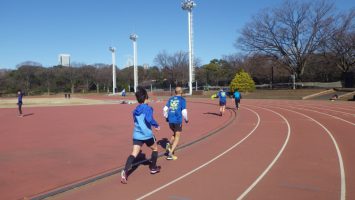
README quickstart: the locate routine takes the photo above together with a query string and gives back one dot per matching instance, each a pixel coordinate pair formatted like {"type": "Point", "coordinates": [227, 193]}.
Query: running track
{"type": "Point", "coordinates": [271, 149]}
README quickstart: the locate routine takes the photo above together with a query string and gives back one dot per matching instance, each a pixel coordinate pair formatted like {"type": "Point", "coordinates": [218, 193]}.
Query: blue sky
{"type": "Point", "coordinates": [39, 30]}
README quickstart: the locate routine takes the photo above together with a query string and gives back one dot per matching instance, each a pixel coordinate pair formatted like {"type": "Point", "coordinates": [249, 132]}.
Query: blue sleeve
{"type": "Point", "coordinates": [149, 117]}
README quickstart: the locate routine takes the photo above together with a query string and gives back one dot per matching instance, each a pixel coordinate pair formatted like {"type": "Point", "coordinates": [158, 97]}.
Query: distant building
{"type": "Point", "coordinates": [146, 66]}
{"type": "Point", "coordinates": [64, 60]}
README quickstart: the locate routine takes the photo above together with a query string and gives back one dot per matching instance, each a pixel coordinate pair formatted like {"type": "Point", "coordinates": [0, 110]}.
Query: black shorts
{"type": "Point", "coordinates": [222, 103]}
{"type": "Point", "coordinates": [175, 127]}
{"type": "Point", "coordinates": [148, 142]}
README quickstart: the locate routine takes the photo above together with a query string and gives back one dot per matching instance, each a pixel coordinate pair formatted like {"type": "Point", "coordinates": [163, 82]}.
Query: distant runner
{"type": "Point", "coordinates": [222, 101]}
{"type": "Point", "coordinates": [19, 102]}
{"type": "Point", "coordinates": [237, 98]}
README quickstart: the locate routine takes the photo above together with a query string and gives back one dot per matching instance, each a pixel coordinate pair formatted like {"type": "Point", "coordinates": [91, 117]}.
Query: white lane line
{"type": "Point", "coordinates": [339, 106]}
{"type": "Point", "coordinates": [322, 108]}
{"type": "Point", "coordinates": [275, 159]}
{"type": "Point", "coordinates": [323, 114]}
{"type": "Point", "coordinates": [340, 158]}
{"type": "Point", "coordinates": [207, 163]}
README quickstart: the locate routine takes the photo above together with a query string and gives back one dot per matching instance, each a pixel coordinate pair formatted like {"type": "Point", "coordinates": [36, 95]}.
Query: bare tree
{"type": "Point", "coordinates": [175, 66]}
{"type": "Point", "coordinates": [289, 33]}
{"type": "Point", "coordinates": [102, 76]}
{"type": "Point", "coordinates": [341, 44]}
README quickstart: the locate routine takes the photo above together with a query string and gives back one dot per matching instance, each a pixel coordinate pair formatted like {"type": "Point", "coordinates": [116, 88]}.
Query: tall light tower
{"type": "Point", "coordinates": [188, 5]}
{"type": "Point", "coordinates": [134, 37]}
{"type": "Point", "coordinates": [113, 50]}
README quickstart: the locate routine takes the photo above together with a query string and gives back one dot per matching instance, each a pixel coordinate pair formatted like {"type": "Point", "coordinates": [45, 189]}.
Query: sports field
{"type": "Point", "coordinates": [269, 149]}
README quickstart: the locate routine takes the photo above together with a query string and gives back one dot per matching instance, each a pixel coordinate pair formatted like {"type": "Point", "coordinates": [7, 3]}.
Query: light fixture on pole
{"type": "Point", "coordinates": [134, 37]}
{"type": "Point", "coordinates": [188, 5]}
{"type": "Point", "coordinates": [113, 50]}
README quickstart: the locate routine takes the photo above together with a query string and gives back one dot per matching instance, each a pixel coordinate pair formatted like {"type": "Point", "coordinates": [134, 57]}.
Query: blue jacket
{"type": "Point", "coordinates": [237, 95]}
{"type": "Point", "coordinates": [143, 122]}
{"type": "Point", "coordinates": [19, 98]}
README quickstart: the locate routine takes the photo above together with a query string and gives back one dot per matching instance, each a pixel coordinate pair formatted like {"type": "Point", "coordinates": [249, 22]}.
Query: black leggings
{"type": "Point", "coordinates": [237, 102]}
{"type": "Point", "coordinates": [20, 108]}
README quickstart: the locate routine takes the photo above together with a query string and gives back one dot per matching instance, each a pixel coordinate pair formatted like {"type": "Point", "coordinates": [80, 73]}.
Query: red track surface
{"type": "Point", "coordinates": [273, 149]}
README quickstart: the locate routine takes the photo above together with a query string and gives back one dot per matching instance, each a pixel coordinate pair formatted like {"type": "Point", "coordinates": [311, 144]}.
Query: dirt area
{"type": "Point", "coordinates": [93, 98]}
{"type": "Point", "coordinates": [53, 101]}
{"type": "Point", "coordinates": [281, 94]}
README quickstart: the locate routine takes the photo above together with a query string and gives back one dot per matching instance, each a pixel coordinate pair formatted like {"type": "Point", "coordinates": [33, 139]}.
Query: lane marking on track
{"type": "Point", "coordinates": [268, 168]}
{"type": "Point", "coordinates": [111, 172]}
{"type": "Point", "coordinates": [340, 106]}
{"type": "Point", "coordinates": [322, 108]}
{"type": "Point", "coordinates": [323, 114]}
{"type": "Point", "coordinates": [207, 163]}
{"type": "Point", "coordinates": [340, 158]}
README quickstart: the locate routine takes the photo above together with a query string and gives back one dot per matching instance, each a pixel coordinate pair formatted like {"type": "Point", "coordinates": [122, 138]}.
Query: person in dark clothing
{"type": "Point", "coordinates": [19, 102]}
{"type": "Point", "coordinates": [237, 97]}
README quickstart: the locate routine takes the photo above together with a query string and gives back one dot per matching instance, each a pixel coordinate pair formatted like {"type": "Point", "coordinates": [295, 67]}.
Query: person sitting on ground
{"type": "Point", "coordinates": [334, 97]}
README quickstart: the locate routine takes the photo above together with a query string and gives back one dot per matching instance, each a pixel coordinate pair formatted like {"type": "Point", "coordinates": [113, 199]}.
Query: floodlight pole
{"type": "Point", "coordinates": [113, 50]}
{"type": "Point", "coordinates": [188, 5]}
{"type": "Point", "coordinates": [134, 37]}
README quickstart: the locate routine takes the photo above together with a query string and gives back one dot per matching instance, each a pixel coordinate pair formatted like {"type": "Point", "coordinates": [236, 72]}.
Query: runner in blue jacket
{"type": "Point", "coordinates": [142, 134]}
{"type": "Point", "coordinates": [237, 97]}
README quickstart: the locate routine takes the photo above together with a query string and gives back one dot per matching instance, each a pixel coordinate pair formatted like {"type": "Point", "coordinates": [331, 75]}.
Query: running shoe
{"type": "Point", "coordinates": [123, 177]}
{"type": "Point", "coordinates": [155, 170]}
{"type": "Point", "coordinates": [171, 157]}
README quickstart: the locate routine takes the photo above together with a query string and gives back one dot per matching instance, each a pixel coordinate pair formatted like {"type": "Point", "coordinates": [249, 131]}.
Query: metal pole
{"type": "Point", "coordinates": [113, 72]}
{"type": "Point", "coordinates": [190, 51]}
{"type": "Point", "coordinates": [135, 65]}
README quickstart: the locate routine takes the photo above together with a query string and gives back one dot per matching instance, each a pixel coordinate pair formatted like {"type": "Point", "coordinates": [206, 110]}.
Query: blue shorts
{"type": "Point", "coordinates": [221, 103]}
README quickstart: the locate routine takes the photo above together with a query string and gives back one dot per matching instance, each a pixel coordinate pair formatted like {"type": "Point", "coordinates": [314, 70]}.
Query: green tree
{"type": "Point", "coordinates": [243, 82]}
